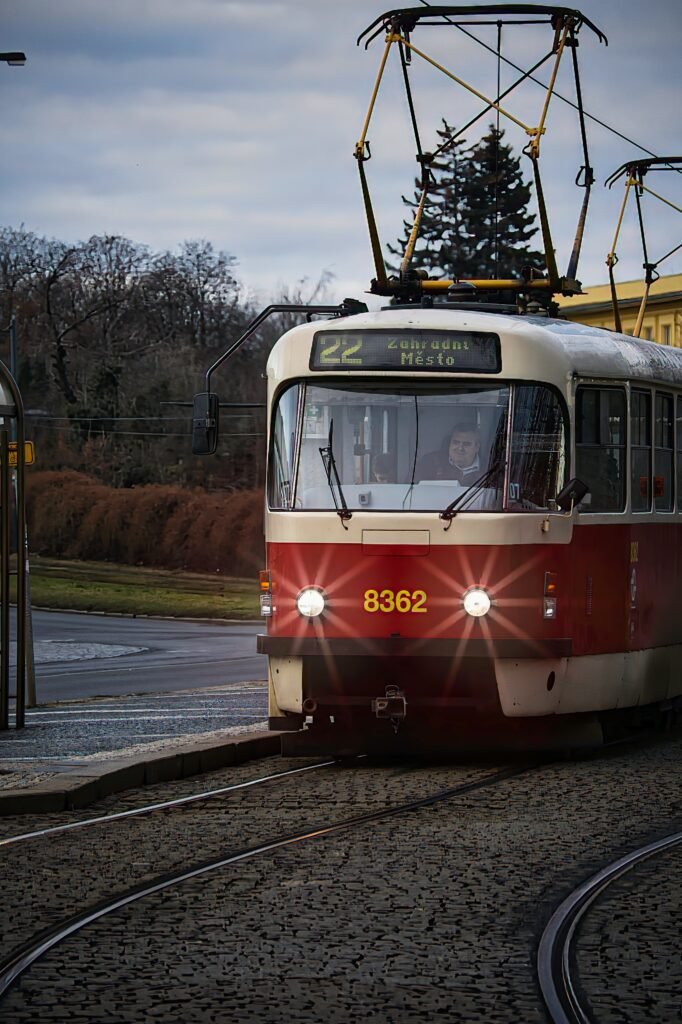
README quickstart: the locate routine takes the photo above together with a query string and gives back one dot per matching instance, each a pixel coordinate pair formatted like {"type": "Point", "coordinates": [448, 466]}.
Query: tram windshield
{"type": "Point", "coordinates": [416, 447]}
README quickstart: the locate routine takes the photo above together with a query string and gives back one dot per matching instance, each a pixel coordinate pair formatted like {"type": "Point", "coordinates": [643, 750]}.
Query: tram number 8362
{"type": "Point", "coordinates": [390, 601]}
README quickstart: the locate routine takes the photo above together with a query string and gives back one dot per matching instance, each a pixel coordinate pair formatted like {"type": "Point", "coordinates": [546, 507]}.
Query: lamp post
{"type": "Point", "coordinates": [16, 58]}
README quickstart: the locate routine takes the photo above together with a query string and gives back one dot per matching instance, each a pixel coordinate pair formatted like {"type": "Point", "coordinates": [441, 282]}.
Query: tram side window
{"type": "Point", "coordinates": [537, 456]}
{"type": "Point", "coordinates": [281, 468]}
{"type": "Point", "coordinates": [679, 453]}
{"type": "Point", "coordinates": [663, 453]}
{"type": "Point", "coordinates": [600, 446]}
{"type": "Point", "coordinates": [640, 427]}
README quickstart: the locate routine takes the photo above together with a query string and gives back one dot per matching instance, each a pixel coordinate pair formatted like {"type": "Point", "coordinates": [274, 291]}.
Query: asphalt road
{"type": "Point", "coordinates": [81, 656]}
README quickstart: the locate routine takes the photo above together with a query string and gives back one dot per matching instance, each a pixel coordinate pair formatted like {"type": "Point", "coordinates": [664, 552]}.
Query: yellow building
{"type": "Point", "coordinates": [662, 319]}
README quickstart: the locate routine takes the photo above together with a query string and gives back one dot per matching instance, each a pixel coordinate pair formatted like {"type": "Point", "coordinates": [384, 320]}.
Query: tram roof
{"type": "Point", "coordinates": [564, 344]}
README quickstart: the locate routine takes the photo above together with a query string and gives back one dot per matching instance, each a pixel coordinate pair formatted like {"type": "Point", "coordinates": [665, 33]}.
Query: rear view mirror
{"type": "Point", "coordinates": [572, 494]}
{"type": "Point", "coordinates": [205, 414]}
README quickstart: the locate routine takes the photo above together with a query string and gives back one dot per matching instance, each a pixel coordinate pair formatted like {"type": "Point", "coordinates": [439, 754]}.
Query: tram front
{"type": "Point", "coordinates": [411, 527]}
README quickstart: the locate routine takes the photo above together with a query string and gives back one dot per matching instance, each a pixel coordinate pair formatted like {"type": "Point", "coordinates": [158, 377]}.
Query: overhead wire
{"type": "Point", "coordinates": [497, 153]}
{"type": "Point", "coordinates": [543, 85]}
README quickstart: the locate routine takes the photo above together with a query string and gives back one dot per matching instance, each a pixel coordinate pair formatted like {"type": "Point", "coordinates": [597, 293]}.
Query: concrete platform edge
{"type": "Point", "coordinates": [89, 783]}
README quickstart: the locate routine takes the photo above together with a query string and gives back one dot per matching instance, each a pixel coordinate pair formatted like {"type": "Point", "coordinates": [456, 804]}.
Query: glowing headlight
{"type": "Point", "coordinates": [476, 602]}
{"type": "Point", "coordinates": [310, 602]}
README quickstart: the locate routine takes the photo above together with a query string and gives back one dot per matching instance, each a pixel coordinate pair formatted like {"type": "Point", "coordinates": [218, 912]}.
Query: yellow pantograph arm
{"type": "Point", "coordinates": [611, 258]}
{"type": "Point", "coordinates": [656, 196]}
{"type": "Point", "coordinates": [637, 332]}
{"type": "Point", "coordinates": [360, 144]}
{"type": "Point", "coordinates": [489, 284]}
{"type": "Point", "coordinates": [540, 130]}
{"type": "Point", "coordinates": [465, 85]}
{"type": "Point", "coordinates": [412, 240]}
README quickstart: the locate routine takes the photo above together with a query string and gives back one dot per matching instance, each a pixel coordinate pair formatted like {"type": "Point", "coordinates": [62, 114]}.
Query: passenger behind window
{"type": "Point", "coordinates": [598, 468]}
{"type": "Point", "coordinates": [384, 468]}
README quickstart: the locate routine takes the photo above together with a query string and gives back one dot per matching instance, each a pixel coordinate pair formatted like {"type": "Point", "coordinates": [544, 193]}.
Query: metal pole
{"type": "Point", "coordinates": [20, 506]}
{"type": "Point", "coordinates": [22, 553]}
{"type": "Point", "coordinates": [12, 331]}
{"type": "Point", "coordinates": [31, 698]}
{"type": "Point", "coordinates": [4, 581]}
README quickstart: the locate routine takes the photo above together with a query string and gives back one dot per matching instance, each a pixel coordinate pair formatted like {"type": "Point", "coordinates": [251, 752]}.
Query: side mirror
{"type": "Point", "coordinates": [572, 494]}
{"type": "Point", "coordinates": [205, 415]}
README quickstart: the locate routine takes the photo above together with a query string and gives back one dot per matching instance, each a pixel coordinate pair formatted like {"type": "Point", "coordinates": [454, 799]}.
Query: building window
{"type": "Point", "coordinates": [665, 334]}
{"type": "Point", "coordinates": [601, 447]}
{"type": "Point", "coordinates": [647, 334]}
{"type": "Point", "coordinates": [663, 453]}
{"type": "Point", "coordinates": [640, 433]}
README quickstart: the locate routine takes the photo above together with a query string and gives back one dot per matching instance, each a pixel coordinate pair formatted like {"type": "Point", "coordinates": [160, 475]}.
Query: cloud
{"type": "Point", "coordinates": [236, 122]}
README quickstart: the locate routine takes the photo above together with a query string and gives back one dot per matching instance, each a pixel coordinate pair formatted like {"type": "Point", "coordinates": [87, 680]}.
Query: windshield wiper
{"type": "Point", "coordinates": [472, 490]}
{"type": "Point", "coordinates": [329, 463]}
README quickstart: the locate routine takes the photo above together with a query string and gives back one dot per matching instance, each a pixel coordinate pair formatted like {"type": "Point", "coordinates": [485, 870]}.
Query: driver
{"type": "Point", "coordinates": [458, 461]}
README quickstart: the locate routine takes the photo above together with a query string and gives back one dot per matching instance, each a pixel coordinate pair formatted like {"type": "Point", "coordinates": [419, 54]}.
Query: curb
{"type": "Point", "coordinates": [85, 785]}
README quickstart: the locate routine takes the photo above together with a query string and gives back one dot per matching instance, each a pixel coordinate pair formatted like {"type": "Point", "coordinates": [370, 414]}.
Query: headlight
{"type": "Point", "coordinates": [476, 602]}
{"type": "Point", "coordinates": [310, 602]}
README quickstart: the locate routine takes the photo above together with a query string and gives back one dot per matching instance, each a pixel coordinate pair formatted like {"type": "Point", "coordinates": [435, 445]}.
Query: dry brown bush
{"type": "Point", "coordinates": [71, 515]}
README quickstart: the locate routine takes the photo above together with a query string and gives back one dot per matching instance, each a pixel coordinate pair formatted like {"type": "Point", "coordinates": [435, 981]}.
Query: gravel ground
{"type": "Point", "coordinates": [430, 916]}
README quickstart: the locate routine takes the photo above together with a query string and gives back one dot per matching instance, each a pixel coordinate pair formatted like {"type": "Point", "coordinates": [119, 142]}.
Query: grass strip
{"type": "Point", "coordinates": [127, 590]}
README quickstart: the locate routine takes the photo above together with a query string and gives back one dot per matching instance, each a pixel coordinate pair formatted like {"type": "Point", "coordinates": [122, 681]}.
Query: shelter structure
{"type": "Point", "coordinates": [12, 505]}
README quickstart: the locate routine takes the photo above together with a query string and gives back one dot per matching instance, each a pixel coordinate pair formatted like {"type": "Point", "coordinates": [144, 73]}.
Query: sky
{"type": "Point", "coordinates": [236, 122]}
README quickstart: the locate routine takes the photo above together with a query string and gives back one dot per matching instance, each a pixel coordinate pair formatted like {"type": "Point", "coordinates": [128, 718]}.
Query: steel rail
{"type": "Point", "coordinates": [554, 952]}
{"type": "Point", "coordinates": [13, 966]}
{"type": "Point", "coordinates": [149, 808]}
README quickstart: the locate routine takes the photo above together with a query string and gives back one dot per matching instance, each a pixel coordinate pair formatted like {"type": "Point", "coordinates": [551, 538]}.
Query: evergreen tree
{"type": "Point", "coordinates": [475, 222]}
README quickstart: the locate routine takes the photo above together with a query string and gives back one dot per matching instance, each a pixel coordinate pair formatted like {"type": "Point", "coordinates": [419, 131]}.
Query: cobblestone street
{"type": "Point", "coordinates": [431, 915]}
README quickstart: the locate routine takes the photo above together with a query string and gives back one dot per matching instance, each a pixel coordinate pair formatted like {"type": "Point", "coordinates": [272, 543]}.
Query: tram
{"type": "Point", "coordinates": [473, 510]}
{"type": "Point", "coordinates": [473, 530]}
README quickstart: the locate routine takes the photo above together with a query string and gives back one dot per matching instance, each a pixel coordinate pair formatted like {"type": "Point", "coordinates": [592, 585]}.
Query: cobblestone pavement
{"type": "Point", "coordinates": [631, 937]}
{"type": "Point", "coordinates": [431, 916]}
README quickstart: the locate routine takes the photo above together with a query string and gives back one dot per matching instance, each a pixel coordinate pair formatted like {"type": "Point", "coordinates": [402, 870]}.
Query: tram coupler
{"type": "Point", "coordinates": [393, 706]}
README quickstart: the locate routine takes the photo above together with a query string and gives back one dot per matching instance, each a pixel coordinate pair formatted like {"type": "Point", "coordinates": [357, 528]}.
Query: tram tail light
{"type": "Point", "coordinates": [550, 592]}
{"type": "Point", "coordinates": [265, 588]}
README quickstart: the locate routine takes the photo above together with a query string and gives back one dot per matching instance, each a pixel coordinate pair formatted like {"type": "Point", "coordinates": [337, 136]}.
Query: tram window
{"type": "Point", "coordinates": [281, 466]}
{"type": "Point", "coordinates": [391, 446]}
{"type": "Point", "coordinates": [600, 418]}
{"type": "Point", "coordinates": [537, 460]}
{"type": "Point", "coordinates": [679, 453]}
{"type": "Point", "coordinates": [663, 453]}
{"type": "Point", "coordinates": [640, 431]}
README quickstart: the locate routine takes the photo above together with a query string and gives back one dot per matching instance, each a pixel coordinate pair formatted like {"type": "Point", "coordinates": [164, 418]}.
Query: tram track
{"type": "Point", "coordinates": [234, 888]}
{"type": "Point", "coordinates": [555, 958]}
{"type": "Point", "coordinates": [22, 958]}
{"type": "Point", "coordinates": [164, 805]}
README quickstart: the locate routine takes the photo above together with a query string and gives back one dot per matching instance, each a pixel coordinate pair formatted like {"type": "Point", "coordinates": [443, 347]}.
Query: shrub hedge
{"type": "Point", "coordinates": [71, 515]}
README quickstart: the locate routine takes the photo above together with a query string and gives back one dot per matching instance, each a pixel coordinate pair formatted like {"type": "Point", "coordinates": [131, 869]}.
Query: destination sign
{"type": "Point", "coordinates": [410, 350]}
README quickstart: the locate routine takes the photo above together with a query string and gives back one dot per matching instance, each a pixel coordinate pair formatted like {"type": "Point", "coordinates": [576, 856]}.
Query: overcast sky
{"type": "Point", "coordinates": [165, 120]}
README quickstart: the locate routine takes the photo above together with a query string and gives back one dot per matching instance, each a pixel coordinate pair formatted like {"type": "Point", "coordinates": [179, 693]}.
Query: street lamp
{"type": "Point", "coordinates": [15, 59]}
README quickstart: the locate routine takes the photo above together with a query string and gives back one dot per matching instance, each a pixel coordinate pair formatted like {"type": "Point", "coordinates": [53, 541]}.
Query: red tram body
{"type": "Point", "coordinates": [413, 603]}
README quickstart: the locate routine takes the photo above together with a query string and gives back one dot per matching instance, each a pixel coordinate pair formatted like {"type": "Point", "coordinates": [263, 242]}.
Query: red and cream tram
{"type": "Point", "coordinates": [473, 530]}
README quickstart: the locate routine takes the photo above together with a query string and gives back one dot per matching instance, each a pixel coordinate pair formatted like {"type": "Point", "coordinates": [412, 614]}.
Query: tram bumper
{"type": "Point", "coordinates": [380, 677]}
